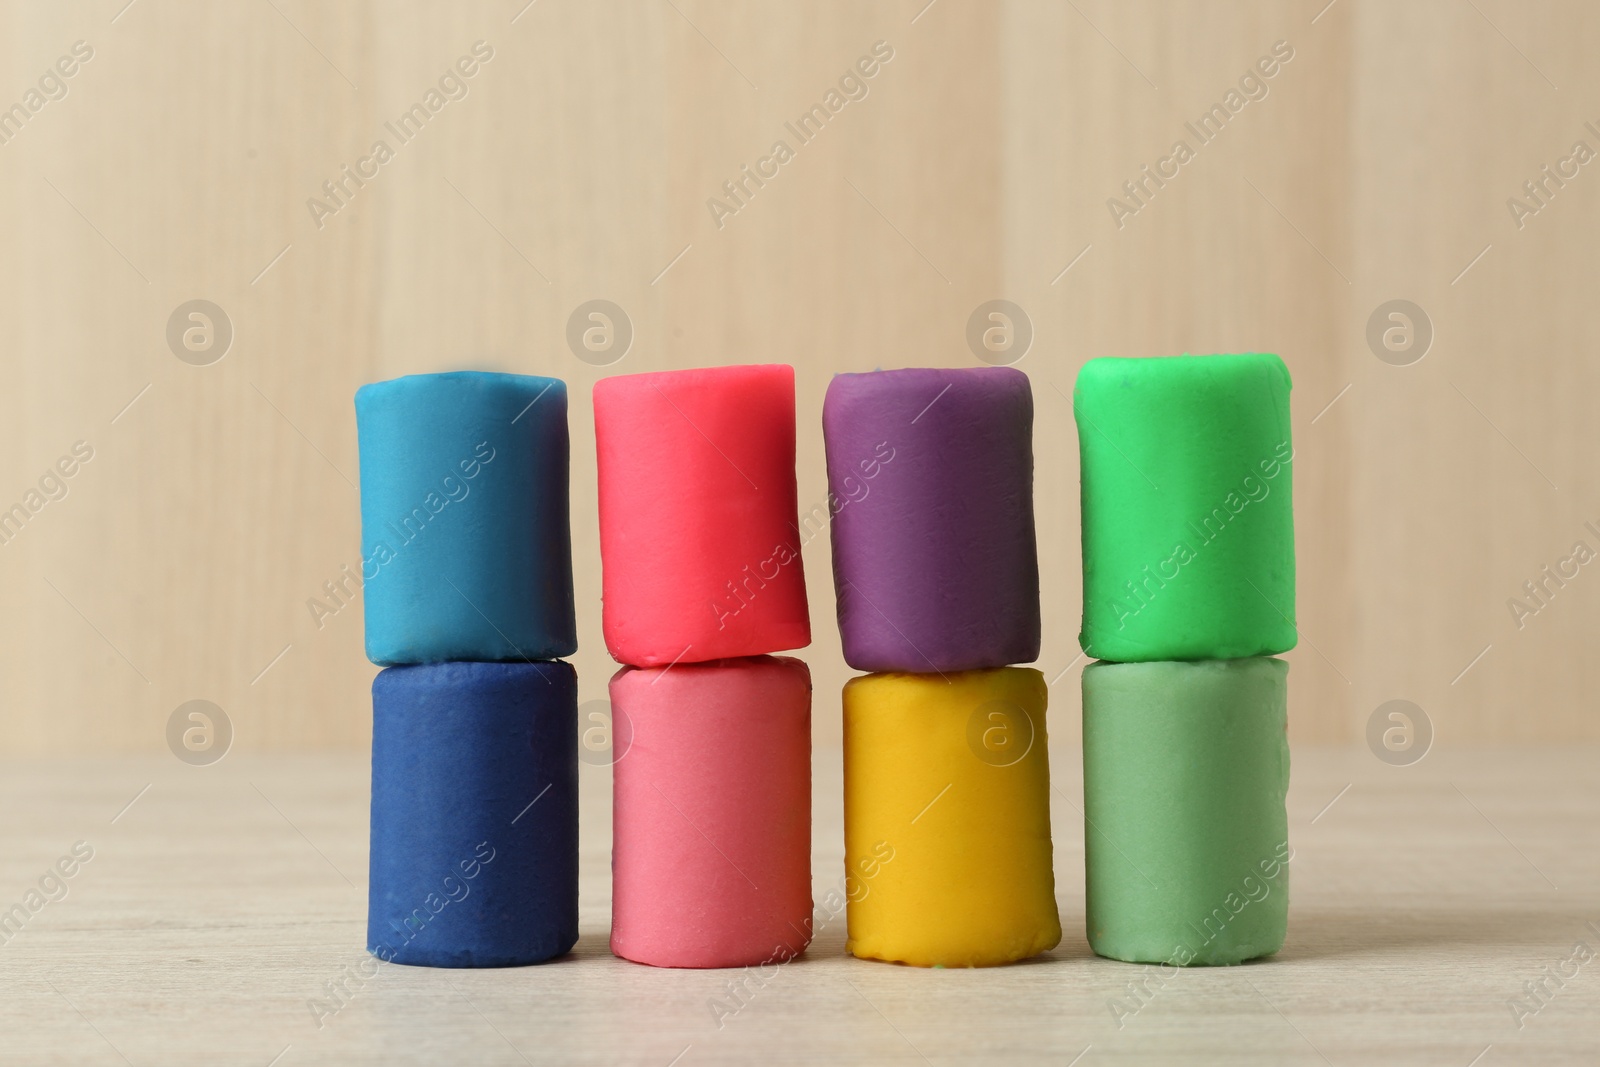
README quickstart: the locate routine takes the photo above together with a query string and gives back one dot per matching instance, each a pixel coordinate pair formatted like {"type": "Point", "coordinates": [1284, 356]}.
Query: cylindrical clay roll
{"type": "Point", "coordinates": [465, 541]}
{"type": "Point", "coordinates": [930, 479]}
{"type": "Point", "coordinates": [1185, 772]}
{"type": "Point", "coordinates": [1188, 521]}
{"type": "Point", "coordinates": [474, 814]}
{"type": "Point", "coordinates": [697, 515]}
{"type": "Point", "coordinates": [711, 861]}
{"type": "Point", "coordinates": [947, 818]}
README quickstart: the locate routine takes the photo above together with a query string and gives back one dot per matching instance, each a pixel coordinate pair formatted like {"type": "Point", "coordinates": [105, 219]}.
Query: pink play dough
{"type": "Point", "coordinates": [699, 539]}
{"type": "Point", "coordinates": [711, 822]}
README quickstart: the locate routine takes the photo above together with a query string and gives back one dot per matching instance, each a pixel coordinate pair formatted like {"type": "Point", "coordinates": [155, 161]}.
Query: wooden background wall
{"type": "Point", "coordinates": [179, 164]}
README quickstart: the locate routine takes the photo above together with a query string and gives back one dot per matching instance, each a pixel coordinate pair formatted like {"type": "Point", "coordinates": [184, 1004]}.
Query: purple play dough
{"type": "Point", "coordinates": [930, 473]}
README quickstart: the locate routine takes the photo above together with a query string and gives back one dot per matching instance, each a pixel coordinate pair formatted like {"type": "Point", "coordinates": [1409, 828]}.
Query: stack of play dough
{"type": "Point", "coordinates": [1188, 591]}
{"type": "Point", "coordinates": [700, 547]}
{"type": "Point", "coordinates": [467, 577]}
{"type": "Point", "coordinates": [947, 787]}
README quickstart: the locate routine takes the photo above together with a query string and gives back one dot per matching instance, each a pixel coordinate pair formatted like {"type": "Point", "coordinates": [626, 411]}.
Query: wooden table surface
{"type": "Point", "coordinates": [218, 905]}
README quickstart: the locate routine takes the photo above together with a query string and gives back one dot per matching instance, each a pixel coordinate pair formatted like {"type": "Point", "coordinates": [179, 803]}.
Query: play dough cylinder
{"type": "Point", "coordinates": [474, 859]}
{"type": "Point", "coordinates": [1185, 770]}
{"type": "Point", "coordinates": [1188, 523]}
{"type": "Point", "coordinates": [698, 533]}
{"type": "Point", "coordinates": [930, 486]}
{"type": "Point", "coordinates": [947, 818]}
{"type": "Point", "coordinates": [711, 814]}
{"type": "Point", "coordinates": [465, 542]}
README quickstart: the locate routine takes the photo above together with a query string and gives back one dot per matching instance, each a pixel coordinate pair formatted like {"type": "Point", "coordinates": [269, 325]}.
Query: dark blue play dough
{"type": "Point", "coordinates": [466, 546]}
{"type": "Point", "coordinates": [464, 873]}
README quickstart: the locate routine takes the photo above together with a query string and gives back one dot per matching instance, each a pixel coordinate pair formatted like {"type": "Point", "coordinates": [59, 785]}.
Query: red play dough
{"type": "Point", "coordinates": [711, 820]}
{"type": "Point", "coordinates": [698, 527]}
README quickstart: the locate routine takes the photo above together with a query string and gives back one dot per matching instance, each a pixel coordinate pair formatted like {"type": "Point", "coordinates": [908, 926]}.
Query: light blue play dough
{"type": "Point", "coordinates": [466, 546]}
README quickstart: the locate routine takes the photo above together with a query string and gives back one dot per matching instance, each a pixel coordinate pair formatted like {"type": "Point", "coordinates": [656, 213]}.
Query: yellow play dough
{"type": "Point", "coordinates": [947, 818]}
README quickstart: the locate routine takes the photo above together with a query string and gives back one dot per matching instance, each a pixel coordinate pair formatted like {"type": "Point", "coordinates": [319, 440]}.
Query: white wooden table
{"type": "Point", "coordinates": [221, 902]}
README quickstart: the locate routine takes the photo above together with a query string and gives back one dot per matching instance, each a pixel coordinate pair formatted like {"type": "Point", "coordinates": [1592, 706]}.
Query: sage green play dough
{"type": "Point", "coordinates": [1186, 839]}
{"type": "Point", "coordinates": [1188, 521]}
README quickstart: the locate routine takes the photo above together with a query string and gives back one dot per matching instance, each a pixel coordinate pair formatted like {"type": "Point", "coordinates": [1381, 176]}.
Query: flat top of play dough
{"type": "Point", "coordinates": [929, 372]}
{"type": "Point", "coordinates": [1177, 370]}
{"type": "Point", "coordinates": [528, 382]}
{"type": "Point", "coordinates": [694, 376]}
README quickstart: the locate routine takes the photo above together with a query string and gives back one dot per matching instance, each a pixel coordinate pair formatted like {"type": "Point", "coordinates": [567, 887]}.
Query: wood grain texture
{"type": "Point", "coordinates": [978, 166]}
{"type": "Point", "coordinates": [222, 902]}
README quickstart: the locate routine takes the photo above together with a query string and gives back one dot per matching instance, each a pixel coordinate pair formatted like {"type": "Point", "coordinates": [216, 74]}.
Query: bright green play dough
{"type": "Point", "coordinates": [1188, 521]}
{"type": "Point", "coordinates": [1185, 770]}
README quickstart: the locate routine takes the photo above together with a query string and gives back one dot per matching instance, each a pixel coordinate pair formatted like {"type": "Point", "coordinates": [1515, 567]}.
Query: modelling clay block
{"type": "Point", "coordinates": [1188, 519]}
{"type": "Point", "coordinates": [947, 818]}
{"type": "Point", "coordinates": [697, 515]}
{"type": "Point", "coordinates": [465, 543]}
{"type": "Point", "coordinates": [711, 860]}
{"type": "Point", "coordinates": [930, 478]}
{"type": "Point", "coordinates": [1186, 841]}
{"type": "Point", "coordinates": [474, 859]}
